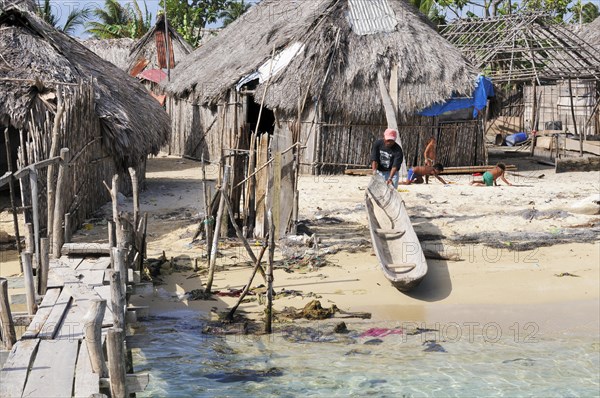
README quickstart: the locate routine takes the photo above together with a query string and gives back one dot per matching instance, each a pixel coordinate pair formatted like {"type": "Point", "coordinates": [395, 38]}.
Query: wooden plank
{"type": "Point", "coordinates": [14, 372]}
{"type": "Point", "coordinates": [82, 295]}
{"type": "Point", "coordinates": [101, 263]}
{"type": "Point", "coordinates": [588, 146]}
{"type": "Point", "coordinates": [86, 381]}
{"type": "Point", "coordinates": [5, 178]}
{"type": "Point", "coordinates": [91, 277]}
{"type": "Point", "coordinates": [57, 277]}
{"type": "Point", "coordinates": [53, 370]}
{"type": "Point", "coordinates": [92, 249]}
{"type": "Point", "coordinates": [104, 293]}
{"type": "Point", "coordinates": [262, 178]}
{"type": "Point", "coordinates": [135, 382]}
{"type": "Point", "coordinates": [38, 321]}
{"type": "Point", "coordinates": [54, 320]}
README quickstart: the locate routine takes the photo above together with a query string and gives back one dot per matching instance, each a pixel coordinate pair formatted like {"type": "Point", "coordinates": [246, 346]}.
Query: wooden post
{"type": "Point", "coordinates": [59, 205]}
{"type": "Point", "coordinates": [114, 190]}
{"type": "Point", "coordinates": [68, 231]}
{"type": "Point", "coordinates": [111, 233]}
{"type": "Point", "coordinates": [92, 326]}
{"type": "Point", "coordinates": [117, 299]}
{"type": "Point", "coordinates": [136, 195]}
{"type": "Point", "coordinates": [50, 171]}
{"type": "Point", "coordinates": [121, 266]}
{"type": "Point", "coordinates": [29, 239]}
{"type": "Point", "coordinates": [116, 362]}
{"type": "Point", "coordinates": [207, 212]}
{"type": "Point", "coordinates": [36, 216]}
{"type": "Point", "coordinates": [269, 311]}
{"type": "Point", "coordinates": [12, 195]}
{"type": "Point", "coordinates": [44, 265]}
{"type": "Point", "coordinates": [9, 337]}
{"type": "Point", "coordinates": [215, 243]}
{"type": "Point", "coordinates": [575, 120]}
{"type": "Point", "coordinates": [275, 192]}
{"type": "Point", "coordinates": [29, 283]}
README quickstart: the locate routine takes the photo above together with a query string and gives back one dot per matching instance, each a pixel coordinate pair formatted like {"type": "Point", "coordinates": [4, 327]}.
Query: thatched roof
{"type": "Point", "coordinates": [590, 33]}
{"type": "Point", "coordinates": [523, 47]}
{"type": "Point", "coordinates": [429, 68]}
{"type": "Point", "coordinates": [115, 51]}
{"type": "Point", "coordinates": [146, 47]}
{"type": "Point", "coordinates": [133, 122]}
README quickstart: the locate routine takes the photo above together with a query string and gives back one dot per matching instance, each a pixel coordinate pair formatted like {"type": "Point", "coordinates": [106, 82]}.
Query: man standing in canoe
{"type": "Point", "coordinates": [386, 157]}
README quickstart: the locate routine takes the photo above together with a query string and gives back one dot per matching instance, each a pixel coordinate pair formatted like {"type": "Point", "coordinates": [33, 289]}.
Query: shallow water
{"type": "Point", "coordinates": [380, 359]}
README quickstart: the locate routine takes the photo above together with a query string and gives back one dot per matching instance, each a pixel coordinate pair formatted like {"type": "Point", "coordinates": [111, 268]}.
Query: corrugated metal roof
{"type": "Point", "coordinates": [368, 17]}
{"type": "Point", "coordinates": [161, 50]}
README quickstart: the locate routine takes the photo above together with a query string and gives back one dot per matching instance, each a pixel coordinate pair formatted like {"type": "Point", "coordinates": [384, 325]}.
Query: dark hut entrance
{"type": "Point", "coordinates": [13, 135]}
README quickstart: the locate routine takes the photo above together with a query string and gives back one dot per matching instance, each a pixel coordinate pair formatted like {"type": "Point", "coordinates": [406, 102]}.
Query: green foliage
{"type": "Point", "coordinates": [76, 17]}
{"type": "Point", "coordinates": [190, 17]}
{"type": "Point", "coordinates": [586, 12]}
{"type": "Point", "coordinates": [116, 21]}
{"type": "Point", "coordinates": [234, 10]}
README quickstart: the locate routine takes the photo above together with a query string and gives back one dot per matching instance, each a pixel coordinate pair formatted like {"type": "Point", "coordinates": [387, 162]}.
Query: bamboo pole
{"type": "Point", "coordinates": [117, 299]}
{"type": "Point", "coordinates": [44, 265]}
{"type": "Point", "coordinates": [257, 266]}
{"type": "Point", "coordinates": [92, 326]}
{"type": "Point", "coordinates": [9, 337]}
{"type": "Point", "coordinates": [33, 176]}
{"type": "Point", "coordinates": [215, 243]}
{"type": "Point", "coordinates": [269, 311]}
{"type": "Point", "coordinates": [59, 205]}
{"type": "Point", "coordinates": [29, 283]}
{"type": "Point", "coordinates": [116, 362]}
{"type": "Point", "coordinates": [207, 212]}
{"type": "Point", "coordinates": [50, 172]}
{"type": "Point", "coordinates": [12, 195]}
{"type": "Point", "coordinates": [136, 195]}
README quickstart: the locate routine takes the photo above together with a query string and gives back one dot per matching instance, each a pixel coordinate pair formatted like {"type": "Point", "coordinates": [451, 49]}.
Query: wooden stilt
{"type": "Point", "coordinates": [9, 337]}
{"type": "Point", "coordinates": [121, 266]}
{"type": "Point", "coordinates": [116, 362]}
{"type": "Point", "coordinates": [29, 283]}
{"type": "Point", "coordinates": [111, 233]}
{"type": "Point", "coordinates": [59, 205]}
{"type": "Point", "coordinates": [44, 265]}
{"type": "Point", "coordinates": [208, 220]}
{"type": "Point", "coordinates": [50, 171]}
{"type": "Point", "coordinates": [117, 299]}
{"type": "Point", "coordinates": [136, 195]}
{"type": "Point", "coordinates": [92, 326]}
{"type": "Point", "coordinates": [114, 190]}
{"type": "Point", "coordinates": [29, 239]}
{"type": "Point", "coordinates": [269, 311]}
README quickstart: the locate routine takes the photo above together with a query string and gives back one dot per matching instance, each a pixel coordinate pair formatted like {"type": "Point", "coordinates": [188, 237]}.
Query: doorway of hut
{"type": "Point", "coordinates": [13, 141]}
{"type": "Point", "coordinates": [267, 117]}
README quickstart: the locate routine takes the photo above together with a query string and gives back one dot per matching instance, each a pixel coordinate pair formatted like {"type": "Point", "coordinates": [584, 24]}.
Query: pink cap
{"type": "Point", "coordinates": [390, 134]}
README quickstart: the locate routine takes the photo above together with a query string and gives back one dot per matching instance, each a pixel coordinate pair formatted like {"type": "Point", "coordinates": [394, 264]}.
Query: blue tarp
{"type": "Point", "coordinates": [478, 101]}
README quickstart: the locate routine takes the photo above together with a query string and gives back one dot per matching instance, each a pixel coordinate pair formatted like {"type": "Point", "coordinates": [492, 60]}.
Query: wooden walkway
{"type": "Point", "coordinates": [52, 358]}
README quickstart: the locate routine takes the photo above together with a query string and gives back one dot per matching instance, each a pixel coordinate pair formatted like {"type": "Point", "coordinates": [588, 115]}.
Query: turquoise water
{"type": "Point", "coordinates": [313, 362]}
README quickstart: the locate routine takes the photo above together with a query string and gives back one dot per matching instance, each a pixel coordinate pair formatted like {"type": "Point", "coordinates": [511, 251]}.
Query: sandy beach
{"type": "Point", "coordinates": [554, 285]}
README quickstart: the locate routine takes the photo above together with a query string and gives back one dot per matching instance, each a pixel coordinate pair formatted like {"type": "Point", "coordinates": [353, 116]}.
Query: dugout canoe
{"type": "Point", "coordinates": [394, 240]}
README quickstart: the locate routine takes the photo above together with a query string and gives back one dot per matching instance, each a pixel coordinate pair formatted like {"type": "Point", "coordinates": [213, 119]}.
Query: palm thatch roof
{"type": "Point", "coordinates": [152, 47]}
{"type": "Point", "coordinates": [344, 45]}
{"type": "Point", "coordinates": [115, 51]}
{"type": "Point", "coordinates": [35, 57]}
{"type": "Point", "coordinates": [590, 33]}
{"type": "Point", "coordinates": [523, 47]}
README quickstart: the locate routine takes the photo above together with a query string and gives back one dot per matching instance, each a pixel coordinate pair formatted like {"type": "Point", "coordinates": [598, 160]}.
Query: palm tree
{"type": "Point", "coordinates": [75, 18]}
{"type": "Point", "coordinates": [116, 21]}
{"type": "Point", "coordinates": [431, 9]}
{"type": "Point", "coordinates": [234, 10]}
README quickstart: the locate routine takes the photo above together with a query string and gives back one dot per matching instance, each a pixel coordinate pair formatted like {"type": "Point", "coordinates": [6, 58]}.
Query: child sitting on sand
{"type": "Point", "coordinates": [416, 174]}
{"type": "Point", "coordinates": [490, 177]}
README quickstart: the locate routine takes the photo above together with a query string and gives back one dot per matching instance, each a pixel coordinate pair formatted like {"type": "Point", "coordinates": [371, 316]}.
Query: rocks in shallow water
{"type": "Point", "coordinates": [520, 361]}
{"type": "Point", "coordinates": [433, 346]}
{"type": "Point", "coordinates": [340, 328]}
{"type": "Point", "coordinates": [373, 342]}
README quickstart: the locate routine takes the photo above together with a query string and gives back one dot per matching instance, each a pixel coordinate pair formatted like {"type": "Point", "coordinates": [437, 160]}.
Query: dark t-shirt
{"type": "Point", "coordinates": [386, 157]}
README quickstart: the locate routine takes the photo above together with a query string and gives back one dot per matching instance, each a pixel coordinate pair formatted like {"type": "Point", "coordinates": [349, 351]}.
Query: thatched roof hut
{"type": "Point", "coordinates": [108, 121]}
{"type": "Point", "coordinates": [150, 52]}
{"type": "Point", "coordinates": [115, 51]}
{"type": "Point", "coordinates": [343, 33]}
{"type": "Point", "coordinates": [590, 33]}
{"type": "Point", "coordinates": [133, 124]}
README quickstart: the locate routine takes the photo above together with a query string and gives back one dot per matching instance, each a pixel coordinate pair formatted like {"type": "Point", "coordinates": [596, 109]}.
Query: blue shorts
{"type": "Point", "coordinates": [412, 175]}
{"type": "Point", "coordinates": [386, 175]}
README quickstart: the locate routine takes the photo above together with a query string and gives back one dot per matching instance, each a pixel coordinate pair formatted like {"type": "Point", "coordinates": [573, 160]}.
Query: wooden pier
{"type": "Point", "coordinates": [55, 356]}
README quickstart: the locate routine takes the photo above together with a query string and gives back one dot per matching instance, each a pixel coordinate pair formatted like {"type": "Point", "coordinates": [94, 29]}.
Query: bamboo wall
{"type": "Point", "coordinates": [554, 104]}
{"type": "Point", "coordinates": [80, 131]}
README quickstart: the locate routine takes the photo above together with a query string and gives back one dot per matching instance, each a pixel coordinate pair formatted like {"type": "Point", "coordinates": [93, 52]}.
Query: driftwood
{"type": "Point", "coordinates": [578, 164]}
